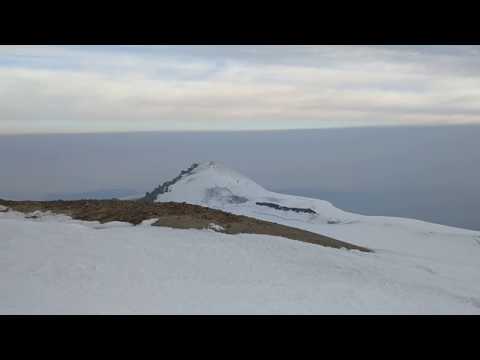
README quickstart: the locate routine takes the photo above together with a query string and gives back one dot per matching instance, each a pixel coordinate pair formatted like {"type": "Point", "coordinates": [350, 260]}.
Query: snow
{"type": "Point", "coordinates": [55, 265]}
{"type": "Point", "coordinates": [216, 227]}
{"type": "Point", "coordinates": [387, 233]}
{"type": "Point", "coordinates": [211, 182]}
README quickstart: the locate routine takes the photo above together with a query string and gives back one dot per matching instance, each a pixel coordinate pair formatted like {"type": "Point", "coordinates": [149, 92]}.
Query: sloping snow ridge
{"type": "Point", "coordinates": [213, 185]}
{"type": "Point", "coordinates": [51, 264]}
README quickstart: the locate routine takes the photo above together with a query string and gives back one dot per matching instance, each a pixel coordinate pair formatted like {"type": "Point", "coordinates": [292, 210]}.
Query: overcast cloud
{"type": "Point", "coordinates": [125, 88]}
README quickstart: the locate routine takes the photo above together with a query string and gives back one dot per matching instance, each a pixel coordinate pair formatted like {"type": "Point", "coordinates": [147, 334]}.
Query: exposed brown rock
{"type": "Point", "coordinates": [175, 215]}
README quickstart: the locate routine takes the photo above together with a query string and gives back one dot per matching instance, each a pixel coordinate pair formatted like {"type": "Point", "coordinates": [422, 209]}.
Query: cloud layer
{"type": "Point", "coordinates": [97, 88]}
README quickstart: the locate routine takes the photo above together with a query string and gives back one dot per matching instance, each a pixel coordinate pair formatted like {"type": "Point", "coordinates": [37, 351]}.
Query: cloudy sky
{"type": "Point", "coordinates": [48, 89]}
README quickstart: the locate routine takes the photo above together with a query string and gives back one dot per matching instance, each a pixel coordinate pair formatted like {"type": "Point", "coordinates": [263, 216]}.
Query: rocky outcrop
{"type": "Point", "coordinates": [165, 187]}
{"type": "Point", "coordinates": [175, 215]}
{"type": "Point", "coordinates": [285, 208]}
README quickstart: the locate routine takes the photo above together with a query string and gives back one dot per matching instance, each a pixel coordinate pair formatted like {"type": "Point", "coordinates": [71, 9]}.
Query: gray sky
{"type": "Point", "coordinates": [125, 88]}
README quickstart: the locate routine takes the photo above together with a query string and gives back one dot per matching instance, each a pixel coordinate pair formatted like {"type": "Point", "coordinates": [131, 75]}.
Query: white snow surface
{"type": "Point", "coordinates": [55, 265]}
{"type": "Point", "coordinates": [214, 185]}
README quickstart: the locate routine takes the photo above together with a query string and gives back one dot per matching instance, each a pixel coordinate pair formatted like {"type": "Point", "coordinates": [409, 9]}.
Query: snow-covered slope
{"type": "Point", "coordinates": [214, 185]}
{"type": "Point", "coordinates": [55, 265]}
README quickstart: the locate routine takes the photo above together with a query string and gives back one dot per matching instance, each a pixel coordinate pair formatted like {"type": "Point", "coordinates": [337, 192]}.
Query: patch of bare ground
{"type": "Point", "coordinates": [175, 215]}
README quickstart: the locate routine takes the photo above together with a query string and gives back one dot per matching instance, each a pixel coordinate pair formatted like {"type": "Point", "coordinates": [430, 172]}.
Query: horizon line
{"type": "Point", "coordinates": [423, 125]}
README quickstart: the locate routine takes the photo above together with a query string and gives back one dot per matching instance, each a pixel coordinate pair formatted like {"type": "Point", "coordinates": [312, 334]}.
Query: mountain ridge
{"type": "Point", "coordinates": [212, 184]}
